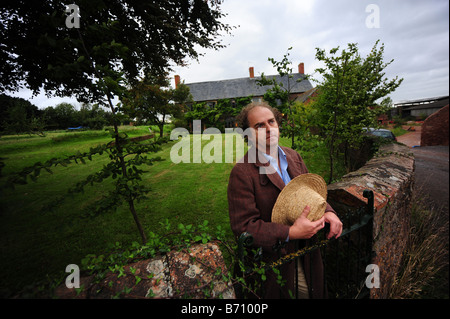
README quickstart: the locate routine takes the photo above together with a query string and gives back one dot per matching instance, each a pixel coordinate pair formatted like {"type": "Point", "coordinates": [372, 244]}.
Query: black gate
{"type": "Point", "coordinates": [345, 259]}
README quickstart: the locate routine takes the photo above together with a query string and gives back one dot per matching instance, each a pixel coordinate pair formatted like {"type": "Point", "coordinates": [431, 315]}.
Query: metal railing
{"type": "Point", "coordinates": [345, 259]}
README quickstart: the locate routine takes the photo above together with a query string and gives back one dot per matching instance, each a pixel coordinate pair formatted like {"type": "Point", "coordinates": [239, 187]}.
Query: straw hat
{"type": "Point", "coordinates": [305, 189]}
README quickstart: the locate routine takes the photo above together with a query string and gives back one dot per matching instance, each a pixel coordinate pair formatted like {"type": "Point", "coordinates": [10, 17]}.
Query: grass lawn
{"type": "Point", "coordinates": [38, 244]}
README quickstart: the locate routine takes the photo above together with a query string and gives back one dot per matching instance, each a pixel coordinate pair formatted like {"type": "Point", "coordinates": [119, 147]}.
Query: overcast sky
{"type": "Point", "coordinates": [415, 34]}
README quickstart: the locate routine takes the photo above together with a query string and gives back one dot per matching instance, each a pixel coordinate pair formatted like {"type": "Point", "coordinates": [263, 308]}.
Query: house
{"type": "Point", "coordinates": [308, 96]}
{"type": "Point", "coordinates": [212, 91]}
{"type": "Point", "coordinates": [421, 108]}
{"type": "Point", "coordinates": [435, 128]}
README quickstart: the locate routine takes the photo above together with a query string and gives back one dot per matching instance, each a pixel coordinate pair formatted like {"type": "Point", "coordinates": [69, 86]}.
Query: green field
{"type": "Point", "coordinates": [37, 244]}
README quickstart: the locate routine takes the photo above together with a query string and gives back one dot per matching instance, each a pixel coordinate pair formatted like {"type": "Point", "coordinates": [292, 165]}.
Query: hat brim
{"type": "Point", "coordinates": [306, 189]}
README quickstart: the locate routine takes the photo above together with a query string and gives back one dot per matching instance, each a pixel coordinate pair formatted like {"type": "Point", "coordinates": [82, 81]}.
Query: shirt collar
{"type": "Point", "coordinates": [282, 152]}
{"type": "Point", "coordinates": [281, 157]}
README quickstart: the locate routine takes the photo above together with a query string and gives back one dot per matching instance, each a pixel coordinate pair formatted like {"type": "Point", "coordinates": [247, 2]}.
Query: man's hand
{"type": "Point", "coordinates": [335, 225]}
{"type": "Point", "coordinates": [303, 228]}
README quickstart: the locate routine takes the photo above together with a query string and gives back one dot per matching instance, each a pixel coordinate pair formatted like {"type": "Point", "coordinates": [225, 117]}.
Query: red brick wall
{"type": "Point", "coordinates": [435, 128]}
{"type": "Point", "coordinates": [390, 175]}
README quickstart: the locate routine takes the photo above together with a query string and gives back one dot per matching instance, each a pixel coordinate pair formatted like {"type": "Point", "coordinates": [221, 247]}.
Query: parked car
{"type": "Point", "coordinates": [381, 133]}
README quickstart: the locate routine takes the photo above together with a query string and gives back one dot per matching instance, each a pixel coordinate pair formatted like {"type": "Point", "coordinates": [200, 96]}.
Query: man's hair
{"type": "Point", "coordinates": [242, 118]}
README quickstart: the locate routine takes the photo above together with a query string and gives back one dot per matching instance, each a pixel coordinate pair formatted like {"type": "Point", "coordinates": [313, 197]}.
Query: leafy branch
{"type": "Point", "coordinates": [349, 92]}
{"type": "Point", "coordinates": [126, 157]}
{"type": "Point", "coordinates": [33, 172]}
{"type": "Point", "coordinates": [176, 238]}
{"type": "Point", "coordinates": [279, 95]}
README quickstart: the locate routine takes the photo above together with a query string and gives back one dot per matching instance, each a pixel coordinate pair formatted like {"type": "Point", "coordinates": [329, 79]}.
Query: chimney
{"type": "Point", "coordinates": [301, 68]}
{"type": "Point", "coordinates": [177, 81]}
{"type": "Point", "coordinates": [252, 72]}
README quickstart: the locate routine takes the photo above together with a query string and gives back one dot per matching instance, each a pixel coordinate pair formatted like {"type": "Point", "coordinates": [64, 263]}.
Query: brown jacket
{"type": "Point", "coordinates": [251, 197]}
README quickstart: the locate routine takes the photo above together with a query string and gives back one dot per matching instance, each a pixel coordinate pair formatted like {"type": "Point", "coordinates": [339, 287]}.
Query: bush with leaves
{"type": "Point", "coordinates": [348, 95]}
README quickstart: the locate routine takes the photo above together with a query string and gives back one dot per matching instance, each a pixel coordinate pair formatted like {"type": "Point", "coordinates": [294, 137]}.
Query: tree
{"type": "Point", "coordinates": [116, 44]}
{"type": "Point", "coordinates": [66, 115]}
{"type": "Point", "coordinates": [348, 95]}
{"type": "Point", "coordinates": [279, 95]}
{"type": "Point", "coordinates": [217, 115]}
{"type": "Point", "coordinates": [18, 115]}
{"type": "Point", "coordinates": [305, 134]}
{"type": "Point", "coordinates": [153, 101]}
{"type": "Point", "coordinates": [38, 50]}
{"type": "Point", "coordinates": [93, 116]}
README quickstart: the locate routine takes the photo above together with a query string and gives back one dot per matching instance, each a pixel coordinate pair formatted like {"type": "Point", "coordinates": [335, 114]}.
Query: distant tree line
{"type": "Point", "coordinates": [18, 115]}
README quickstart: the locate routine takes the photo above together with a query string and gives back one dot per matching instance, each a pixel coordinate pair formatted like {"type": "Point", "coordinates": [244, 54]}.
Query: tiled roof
{"type": "Point", "coordinates": [243, 87]}
{"type": "Point", "coordinates": [433, 102]}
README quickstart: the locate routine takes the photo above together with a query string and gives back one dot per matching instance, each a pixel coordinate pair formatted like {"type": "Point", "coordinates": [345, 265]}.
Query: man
{"type": "Point", "coordinates": [252, 192]}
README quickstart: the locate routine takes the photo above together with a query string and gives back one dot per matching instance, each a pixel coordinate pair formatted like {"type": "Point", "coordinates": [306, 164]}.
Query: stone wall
{"type": "Point", "coordinates": [194, 272]}
{"type": "Point", "coordinates": [390, 175]}
{"type": "Point", "coordinates": [435, 128]}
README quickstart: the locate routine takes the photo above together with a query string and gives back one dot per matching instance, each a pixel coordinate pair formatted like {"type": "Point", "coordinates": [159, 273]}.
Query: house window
{"type": "Point", "coordinates": [257, 99]}
{"type": "Point", "coordinates": [211, 104]}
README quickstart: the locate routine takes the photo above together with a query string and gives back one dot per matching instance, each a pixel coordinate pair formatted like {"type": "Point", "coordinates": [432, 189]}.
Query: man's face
{"type": "Point", "coordinates": [264, 127]}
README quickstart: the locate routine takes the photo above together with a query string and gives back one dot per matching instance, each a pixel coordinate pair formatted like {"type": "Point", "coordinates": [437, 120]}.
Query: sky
{"type": "Point", "coordinates": [415, 34]}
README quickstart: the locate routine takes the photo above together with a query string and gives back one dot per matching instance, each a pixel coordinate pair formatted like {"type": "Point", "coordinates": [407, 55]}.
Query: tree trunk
{"type": "Point", "coordinates": [125, 174]}
{"type": "Point", "coordinates": [119, 149]}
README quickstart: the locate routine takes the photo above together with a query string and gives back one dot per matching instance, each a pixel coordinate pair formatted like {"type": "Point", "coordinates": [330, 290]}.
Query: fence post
{"type": "Point", "coordinates": [245, 240]}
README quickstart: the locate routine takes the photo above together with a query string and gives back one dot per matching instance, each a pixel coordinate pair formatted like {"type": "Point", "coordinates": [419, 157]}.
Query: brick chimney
{"type": "Point", "coordinates": [252, 72]}
{"type": "Point", "coordinates": [301, 68]}
{"type": "Point", "coordinates": [177, 81]}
